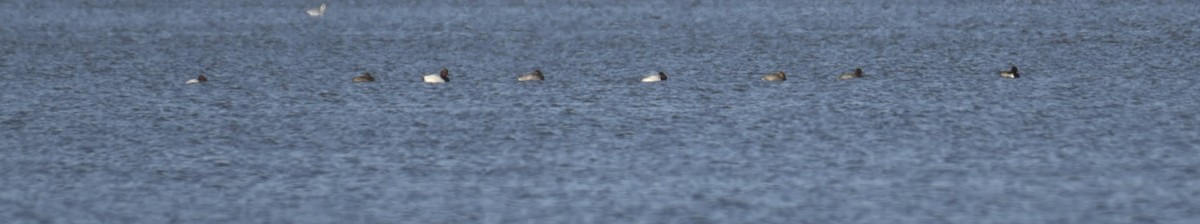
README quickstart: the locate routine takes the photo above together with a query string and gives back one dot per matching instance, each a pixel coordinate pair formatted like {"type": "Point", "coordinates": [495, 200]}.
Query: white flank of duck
{"type": "Point", "coordinates": [440, 77]}
{"type": "Point", "coordinates": [198, 80]}
{"type": "Point", "coordinates": [655, 77]}
{"type": "Point", "coordinates": [1011, 73]}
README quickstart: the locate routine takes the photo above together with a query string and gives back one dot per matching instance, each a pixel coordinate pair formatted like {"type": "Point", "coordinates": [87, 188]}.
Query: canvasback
{"type": "Point", "coordinates": [655, 77]}
{"type": "Point", "coordinates": [198, 80]}
{"type": "Point", "coordinates": [440, 77]}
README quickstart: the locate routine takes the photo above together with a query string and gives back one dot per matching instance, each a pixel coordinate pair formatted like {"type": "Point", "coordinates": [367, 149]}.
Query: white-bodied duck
{"type": "Point", "coordinates": [440, 77]}
{"type": "Point", "coordinates": [655, 77]}
{"type": "Point", "coordinates": [198, 80]}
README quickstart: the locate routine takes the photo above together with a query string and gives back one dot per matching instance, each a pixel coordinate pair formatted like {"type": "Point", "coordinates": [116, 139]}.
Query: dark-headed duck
{"type": "Point", "coordinates": [440, 77]}
{"type": "Point", "coordinates": [1011, 73]}
{"type": "Point", "coordinates": [655, 77]}
{"type": "Point", "coordinates": [198, 80]}
{"type": "Point", "coordinates": [858, 73]}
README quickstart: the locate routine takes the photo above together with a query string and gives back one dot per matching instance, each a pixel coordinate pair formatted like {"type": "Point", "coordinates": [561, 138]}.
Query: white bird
{"type": "Point", "coordinates": [318, 11]}
{"type": "Point", "coordinates": [440, 77]}
{"type": "Point", "coordinates": [198, 80]}
{"type": "Point", "coordinates": [660, 76]}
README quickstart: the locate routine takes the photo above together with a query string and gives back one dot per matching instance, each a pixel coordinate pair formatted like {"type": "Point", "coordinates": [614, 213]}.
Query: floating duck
{"type": "Point", "coordinates": [198, 80]}
{"type": "Point", "coordinates": [1011, 73]}
{"type": "Point", "coordinates": [365, 77]}
{"type": "Point", "coordinates": [655, 77]}
{"type": "Point", "coordinates": [851, 75]}
{"type": "Point", "coordinates": [536, 75]}
{"type": "Point", "coordinates": [440, 77]}
{"type": "Point", "coordinates": [775, 76]}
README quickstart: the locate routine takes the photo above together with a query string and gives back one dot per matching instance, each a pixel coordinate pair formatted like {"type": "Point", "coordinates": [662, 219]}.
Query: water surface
{"type": "Point", "coordinates": [96, 124]}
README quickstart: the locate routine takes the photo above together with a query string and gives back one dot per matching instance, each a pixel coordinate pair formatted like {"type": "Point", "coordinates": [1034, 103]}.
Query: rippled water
{"type": "Point", "coordinates": [96, 124]}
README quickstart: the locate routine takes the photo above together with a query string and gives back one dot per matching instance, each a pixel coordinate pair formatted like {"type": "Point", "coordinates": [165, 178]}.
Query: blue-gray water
{"type": "Point", "coordinates": [97, 126]}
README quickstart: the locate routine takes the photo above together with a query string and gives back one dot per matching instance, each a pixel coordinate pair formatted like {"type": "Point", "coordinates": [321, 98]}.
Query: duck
{"type": "Point", "coordinates": [318, 11]}
{"type": "Point", "coordinates": [440, 77]}
{"type": "Point", "coordinates": [775, 76]}
{"type": "Point", "coordinates": [198, 80]}
{"type": "Point", "coordinates": [536, 75]}
{"type": "Point", "coordinates": [1011, 73]}
{"type": "Point", "coordinates": [858, 73]}
{"type": "Point", "coordinates": [365, 77]}
{"type": "Point", "coordinates": [655, 77]}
